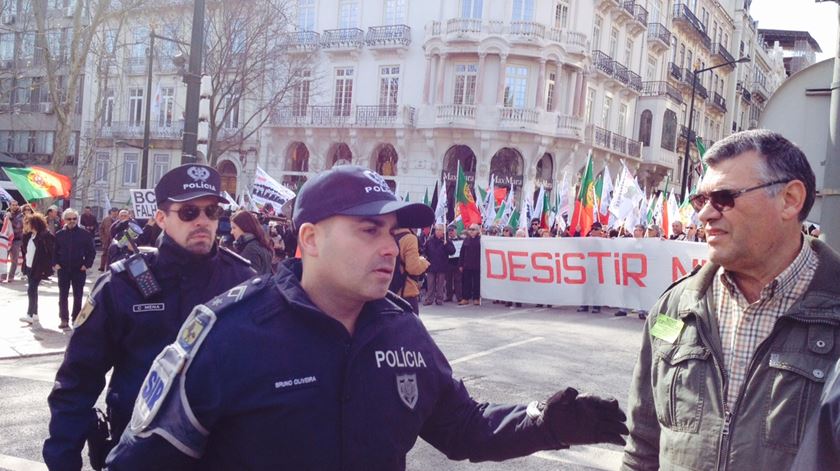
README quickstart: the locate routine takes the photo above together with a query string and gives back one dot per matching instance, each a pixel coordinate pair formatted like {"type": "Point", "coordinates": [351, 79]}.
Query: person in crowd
{"type": "Point", "coordinates": [438, 249]}
{"type": "Point", "coordinates": [38, 254]}
{"type": "Point", "coordinates": [73, 257]}
{"type": "Point", "coordinates": [88, 220]}
{"type": "Point", "coordinates": [53, 220]}
{"type": "Point", "coordinates": [597, 230]}
{"type": "Point", "coordinates": [278, 249]}
{"type": "Point", "coordinates": [224, 232]}
{"type": "Point", "coordinates": [339, 398]}
{"type": "Point", "coordinates": [677, 232]}
{"type": "Point", "coordinates": [534, 230]}
{"type": "Point", "coordinates": [638, 231]}
{"type": "Point", "coordinates": [507, 231]}
{"type": "Point", "coordinates": [290, 241]}
{"type": "Point", "coordinates": [14, 216]}
{"type": "Point", "coordinates": [454, 281]}
{"type": "Point", "coordinates": [105, 236]}
{"type": "Point", "coordinates": [125, 323]}
{"type": "Point", "coordinates": [251, 242]}
{"type": "Point", "coordinates": [691, 232]}
{"type": "Point", "coordinates": [409, 270]}
{"type": "Point", "coordinates": [150, 235]}
{"type": "Point", "coordinates": [469, 265]}
{"type": "Point", "coordinates": [653, 231]}
{"type": "Point", "coordinates": [734, 356]}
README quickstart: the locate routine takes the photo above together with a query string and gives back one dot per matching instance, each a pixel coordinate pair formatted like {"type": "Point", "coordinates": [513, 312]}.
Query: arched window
{"type": "Point", "coordinates": [457, 154]}
{"type": "Point", "coordinates": [341, 155]}
{"type": "Point", "coordinates": [645, 125]}
{"type": "Point", "coordinates": [669, 131]}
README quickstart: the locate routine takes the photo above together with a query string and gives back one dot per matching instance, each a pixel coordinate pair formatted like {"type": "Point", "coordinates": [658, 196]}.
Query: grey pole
{"type": "Point", "coordinates": [830, 193]}
{"type": "Point", "coordinates": [688, 141]}
{"type": "Point", "coordinates": [193, 81]}
{"type": "Point", "coordinates": [147, 126]}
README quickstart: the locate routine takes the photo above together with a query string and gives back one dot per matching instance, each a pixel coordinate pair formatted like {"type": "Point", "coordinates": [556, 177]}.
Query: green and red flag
{"type": "Point", "coordinates": [465, 201]}
{"type": "Point", "coordinates": [584, 216]}
{"type": "Point", "coordinates": [36, 183]}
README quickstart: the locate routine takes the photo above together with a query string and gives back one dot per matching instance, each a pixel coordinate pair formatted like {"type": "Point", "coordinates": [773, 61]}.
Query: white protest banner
{"type": "Point", "coordinates": [624, 272]}
{"type": "Point", "coordinates": [267, 194]}
{"type": "Point", "coordinates": [143, 203]}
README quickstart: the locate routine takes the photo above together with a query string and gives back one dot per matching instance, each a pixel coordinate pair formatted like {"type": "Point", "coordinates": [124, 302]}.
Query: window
{"type": "Point", "coordinates": [55, 43]}
{"type": "Point", "coordinates": [108, 108]}
{"type": "Point", "coordinates": [516, 86]}
{"type": "Point", "coordinates": [27, 46]}
{"type": "Point", "coordinates": [705, 19]}
{"type": "Point", "coordinates": [109, 41]}
{"type": "Point", "coordinates": [389, 87]}
{"type": "Point", "coordinates": [655, 9]}
{"type": "Point", "coordinates": [23, 89]}
{"type": "Point", "coordinates": [21, 140]}
{"type": "Point", "coordinates": [140, 36]}
{"type": "Point", "coordinates": [161, 166]}
{"type": "Point", "coordinates": [166, 106]}
{"type": "Point", "coordinates": [44, 142]}
{"type": "Point", "coordinates": [669, 131]}
{"type": "Point", "coordinates": [523, 10]}
{"type": "Point", "coordinates": [674, 49]}
{"type": "Point", "coordinates": [395, 12]}
{"type": "Point", "coordinates": [561, 14]}
{"type": "Point", "coordinates": [465, 77]}
{"type": "Point", "coordinates": [622, 119]}
{"type": "Point", "coordinates": [130, 168]}
{"type": "Point", "coordinates": [681, 63]}
{"type": "Point", "coordinates": [230, 108]}
{"type": "Point", "coordinates": [613, 52]}
{"type": "Point", "coordinates": [306, 15]}
{"type": "Point", "coordinates": [471, 9]}
{"type": "Point", "coordinates": [7, 46]}
{"type": "Point", "coordinates": [597, 25]}
{"type": "Point", "coordinates": [30, 141]}
{"type": "Point", "coordinates": [645, 126]}
{"type": "Point", "coordinates": [606, 112]}
{"type": "Point", "coordinates": [300, 94]}
{"type": "Point", "coordinates": [628, 53]}
{"type": "Point", "coordinates": [100, 168]}
{"type": "Point", "coordinates": [652, 72]}
{"type": "Point", "coordinates": [135, 106]}
{"type": "Point", "coordinates": [549, 101]}
{"type": "Point", "coordinates": [590, 105]}
{"type": "Point", "coordinates": [348, 14]}
{"type": "Point", "coordinates": [343, 91]}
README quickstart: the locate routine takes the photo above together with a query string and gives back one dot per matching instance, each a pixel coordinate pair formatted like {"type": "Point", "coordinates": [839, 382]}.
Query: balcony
{"type": "Point", "coordinates": [701, 91]}
{"type": "Point", "coordinates": [342, 40]}
{"type": "Point", "coordinates": [760, 92]}
{"type": "Point", "coordinates": [718, 103]}
{"type": "Point", "coordinates": [135, 130]}
{"type": "Point", "coordinates": [685, 19]}
{"type": "Point", "coordinates": [572, 41]}
{"type": "Point", "coordinates": [613, 142]}
{"type": "Point", "coordinates": [659, 38]}
{"type": "Point", "coordinates": [455, 113]}
{"type": "Point", "coordinates": [744, 92]}
{"type": "Point", "coordinates": [135, 65]}
{"type": "Point", "coordinates": [606, 5]}
{"type": "Point", "coordinates": [722, 55]}
{"type": "Point", "coordinates": [662, 89]}
{"type": "Point", "coordinates": [686, 134]}
{"type": "Point", "coordinates": [509, 116]}
{"type": "Point", "coordinates": [388, 37]}
{"type": "Point", "coordinates": [569, 126]}
{"type": "Point", "coordinates": [385, 116]}
{"type": "Point", "coordinates": [526, 31]}
{"type": "Point", "coordinates": [639, 19]}
{"type": "Point", "coordinates": [622, 74]}
{"type": "Point", "coordinates": [463, 26]}
{"type": "Point", "coordinates": [471, 30]}
{"type": "Point", "coordinates": [311, 116]}
{"type": "Point", "coordinates": [674, 72]}
{"type": "Point", "coordinates": [603, 63]}
{"type": "Point", "coordinates": [635, 81]}
{"type": "Point", "coordinates": [302, 41]}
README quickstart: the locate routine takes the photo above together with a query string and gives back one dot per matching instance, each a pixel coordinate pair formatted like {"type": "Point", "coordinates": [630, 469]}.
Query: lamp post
{"type": "Point", "coordinates": [193, 81]}
{"type": "Point", "coordinates": [694, 74]}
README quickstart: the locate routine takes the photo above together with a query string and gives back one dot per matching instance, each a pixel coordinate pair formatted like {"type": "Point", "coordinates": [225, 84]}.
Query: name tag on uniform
{"type": "Point", "coordinates": [148, 307]}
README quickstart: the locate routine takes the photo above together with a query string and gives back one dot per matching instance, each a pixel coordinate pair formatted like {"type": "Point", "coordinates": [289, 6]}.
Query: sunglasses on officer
{"type": "Point", "coordinates": [190, 212]}
{"type": "Point", "coordinates": [723, 200]}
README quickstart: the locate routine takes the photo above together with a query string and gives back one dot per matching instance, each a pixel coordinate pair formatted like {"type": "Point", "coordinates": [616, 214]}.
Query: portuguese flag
{"type": "Point", "coordinates": [36, 183]}
{"type": "Point", "coordinates": [464, 200]}
{"type": "Point", "coordinates": [584, 214]}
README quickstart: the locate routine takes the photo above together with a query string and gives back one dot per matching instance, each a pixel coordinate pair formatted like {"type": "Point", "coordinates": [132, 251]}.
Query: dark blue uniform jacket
{"type": "Point", "coordinates": [125, 332]}
{"type": "Point", "coordinates": [279, 385]}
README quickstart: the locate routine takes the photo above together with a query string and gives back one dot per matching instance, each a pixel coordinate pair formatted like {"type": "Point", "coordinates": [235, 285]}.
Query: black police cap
{"type": "Point", "coordinates": [189, 182]}
{"type": "Point", "coordinates": [350, 190]}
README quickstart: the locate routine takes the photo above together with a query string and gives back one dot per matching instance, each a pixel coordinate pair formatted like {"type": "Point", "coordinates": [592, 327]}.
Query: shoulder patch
{"type": "Point", "coordinates": [401, 303]}
{"type": "Point", "coordinates": [235, 256]}
{"type": "Point", "coordinates": [90, 301]}
{"type": "Point", "coordinates": [239, 292]}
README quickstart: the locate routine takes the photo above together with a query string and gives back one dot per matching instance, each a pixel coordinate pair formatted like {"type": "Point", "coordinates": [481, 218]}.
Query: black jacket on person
{"type": "Point", "coordinates": [74, 248]}
{"type": "Point", "coordinates": [249, 248]}
{"type": "Point", "coordinates": [118, 328]}
{"type": "Point", "coordinates": [42, 266]}
{"type": "Point", "coordinates": [437, 253]}
{"type": "Point", "coordinates": [471, 253]}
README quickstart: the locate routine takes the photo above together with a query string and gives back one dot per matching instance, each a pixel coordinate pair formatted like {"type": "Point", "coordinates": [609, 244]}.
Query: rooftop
{"type": "Point", "coordinates": [787, 37]}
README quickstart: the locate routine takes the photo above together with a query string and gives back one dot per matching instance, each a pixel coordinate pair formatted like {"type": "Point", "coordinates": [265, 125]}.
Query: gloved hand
{"type": "Point", "coordinates": [582, 419]}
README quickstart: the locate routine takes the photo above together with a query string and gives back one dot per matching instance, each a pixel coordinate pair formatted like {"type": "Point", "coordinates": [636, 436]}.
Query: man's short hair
{"type": "Point", "coordinates": [69, 212]}
{"type": "Point", "coordinates": [783, 160]}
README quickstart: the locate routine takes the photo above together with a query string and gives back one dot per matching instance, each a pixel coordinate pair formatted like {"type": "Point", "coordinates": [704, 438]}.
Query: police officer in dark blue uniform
{"type": "Point", "coordinates": [135, 310]}
{"type": "Point", "coordinates": [320, 368]}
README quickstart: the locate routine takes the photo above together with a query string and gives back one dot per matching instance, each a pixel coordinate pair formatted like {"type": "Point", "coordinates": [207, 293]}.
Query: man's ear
{"type": "Point", "coordinates": [308, 239]}
{"type": "Point", "coordinates": [160, 218]}
{"type": "Point", "coordinates": [793, 195]}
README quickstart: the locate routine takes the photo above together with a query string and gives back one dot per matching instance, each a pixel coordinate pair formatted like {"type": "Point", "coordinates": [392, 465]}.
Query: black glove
{"type": "Point", "coordinates": [577, 420]}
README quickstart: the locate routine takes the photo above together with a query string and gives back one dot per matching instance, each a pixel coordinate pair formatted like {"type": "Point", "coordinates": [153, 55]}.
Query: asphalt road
{"type": "Point", "coordinates": [503, 355]}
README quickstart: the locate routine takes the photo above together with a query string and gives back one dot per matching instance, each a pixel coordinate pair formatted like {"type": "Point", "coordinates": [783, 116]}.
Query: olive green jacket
{"type": "Point", "coordinates": [677, 407]}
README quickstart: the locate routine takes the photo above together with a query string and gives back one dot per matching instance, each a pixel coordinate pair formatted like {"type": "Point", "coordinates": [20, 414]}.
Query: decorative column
{"type": "Point", "coordinates": [428, 80]}
{"type": "Point", "coordinates": [440, 78]}
{"type": "Point", "coordinates": [558, 70]}
{"type": "Point", "coordinates": [574, 92]}
{"type": "Point", "coordinates": [500, 91]}
{"type": "Point", "coordinates": [541, 86]}
{"type": "Point", "coordinates": [479, 80]}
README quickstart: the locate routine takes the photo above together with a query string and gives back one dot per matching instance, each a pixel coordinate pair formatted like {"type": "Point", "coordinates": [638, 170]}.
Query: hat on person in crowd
{"type": "Point", "coordinates": [189, 182]}
{"type": "Point", "coordinates": [351, 190]}
{"type": "Point", "coordinates": [597, 225]}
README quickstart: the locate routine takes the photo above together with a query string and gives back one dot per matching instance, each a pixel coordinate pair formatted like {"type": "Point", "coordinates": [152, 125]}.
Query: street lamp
{"type": "Point", "coordinates": [684, 182]}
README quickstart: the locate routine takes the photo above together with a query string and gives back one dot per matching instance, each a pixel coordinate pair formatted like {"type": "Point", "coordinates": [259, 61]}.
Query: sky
{"type": "Point", "coordinates": [819, 19]}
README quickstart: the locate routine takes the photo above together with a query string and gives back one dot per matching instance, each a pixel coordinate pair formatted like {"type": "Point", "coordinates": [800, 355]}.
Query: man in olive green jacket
{"type": "Point", "coordinates": [734, 356]}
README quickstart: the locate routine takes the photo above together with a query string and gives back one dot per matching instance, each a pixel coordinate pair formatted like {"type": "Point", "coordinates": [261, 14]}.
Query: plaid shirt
{"type": "Point", "coordinates": [744, 326]}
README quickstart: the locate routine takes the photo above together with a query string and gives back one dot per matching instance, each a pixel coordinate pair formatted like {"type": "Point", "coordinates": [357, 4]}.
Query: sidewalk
{"type": "Point", "coordinates": [17, 339]}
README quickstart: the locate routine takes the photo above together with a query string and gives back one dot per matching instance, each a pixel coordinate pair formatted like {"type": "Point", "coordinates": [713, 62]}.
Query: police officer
{"type": "Point", "coordinates": [321, 368]}
{"type": "Point", "coordinates": [122, 328]}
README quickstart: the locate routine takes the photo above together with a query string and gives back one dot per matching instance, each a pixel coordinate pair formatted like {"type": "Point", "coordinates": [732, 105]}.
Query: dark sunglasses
{"type": "Point", "coordinates": [189, 212]}
{"type": "Point", "coordinates": [722, 200]}
{"type": "Point", "coordinates": [69, 219]}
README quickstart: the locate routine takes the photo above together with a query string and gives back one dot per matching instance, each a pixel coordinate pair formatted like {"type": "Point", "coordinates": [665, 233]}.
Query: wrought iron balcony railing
{"type": "Point", "coordinates": [389, 35]}
{"type": "Point", "coordinates": [658, 32]}
{"type": "Point", "coordinates": [346, 38]}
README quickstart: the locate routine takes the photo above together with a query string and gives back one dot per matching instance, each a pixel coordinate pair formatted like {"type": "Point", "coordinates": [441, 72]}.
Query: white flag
{"type": "Point", "coordinates": [440, 211]}
{"type": "Point", "coordinates": [156, 102]}
{"type": "Point", "coordinates": [539, 206]}
{"type": "Point", "coordinates": [525, 214]}
{"type": "Point", "coordinates": [507, 212]}
{"type": "Point", "coordinates": [489, 214]}
{"type": "Point", "coordinates": [606, 192]}
{"type": "Point", "coordinates": [563, 207]}
{"type": "Point", "coordinates": [626, 195]}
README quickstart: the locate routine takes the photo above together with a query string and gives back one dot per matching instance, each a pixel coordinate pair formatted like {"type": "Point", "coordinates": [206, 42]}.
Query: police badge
{"type": "Point", "coordinates": [407, 389]}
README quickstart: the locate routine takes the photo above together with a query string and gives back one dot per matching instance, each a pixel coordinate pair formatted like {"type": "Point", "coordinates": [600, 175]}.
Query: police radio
{"type": "Point", "coordinates": [136, 266]}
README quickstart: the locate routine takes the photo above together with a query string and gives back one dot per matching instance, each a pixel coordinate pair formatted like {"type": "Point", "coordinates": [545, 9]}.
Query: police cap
{"type": "Point", "coordinates": [189, 182]}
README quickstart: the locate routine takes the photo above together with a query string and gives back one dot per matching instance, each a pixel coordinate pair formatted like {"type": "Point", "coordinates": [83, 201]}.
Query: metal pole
{"type": "Point", "coordinates": [686, 157]}
{"type": "Point", "coordinates": [147, 126]}
{"type": "Point", "coordinates": [830, 214]}
{"type": "Point", "coordinates": [193, 81]}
